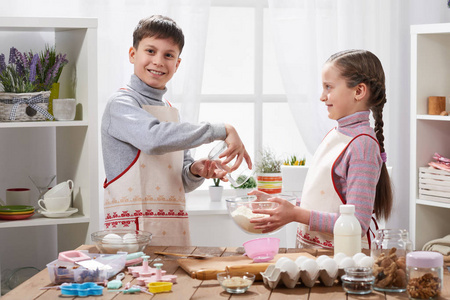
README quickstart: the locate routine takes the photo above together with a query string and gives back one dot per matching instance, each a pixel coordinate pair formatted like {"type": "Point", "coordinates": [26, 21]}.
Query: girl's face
{"type": "Point", "coordinates": [155, 61]}
{"type": "Point", "coordinates": [341, 101]}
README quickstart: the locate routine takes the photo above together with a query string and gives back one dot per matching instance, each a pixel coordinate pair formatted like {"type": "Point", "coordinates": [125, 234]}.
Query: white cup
{"type": "Point", "coordinates": [55, 204]}
{"type": "Point", "coordinates": [64, 109]}
{"type": "Point", "coordinates": [62, 189]}
{"type": "Point", "coordinates": [18, 196]}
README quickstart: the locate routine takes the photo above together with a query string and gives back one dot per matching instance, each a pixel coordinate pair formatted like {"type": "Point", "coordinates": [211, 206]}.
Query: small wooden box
{"type": "Point", "coordinates": [434, 184]}
{"type": "Point", "coordinates": [436, 105]}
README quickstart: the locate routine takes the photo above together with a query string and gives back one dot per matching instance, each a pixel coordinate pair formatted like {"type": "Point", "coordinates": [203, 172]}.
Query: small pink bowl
{"type": "Point", "coordinates": [262, 249]}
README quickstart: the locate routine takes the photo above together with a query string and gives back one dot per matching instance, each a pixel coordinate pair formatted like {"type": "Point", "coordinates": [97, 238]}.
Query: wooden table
{"type": "Point", "coordinates": [189, 288]}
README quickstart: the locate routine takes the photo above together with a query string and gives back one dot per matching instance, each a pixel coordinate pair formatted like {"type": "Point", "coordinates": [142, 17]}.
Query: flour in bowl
{"type": "Point", "coordinates": [242, 216]}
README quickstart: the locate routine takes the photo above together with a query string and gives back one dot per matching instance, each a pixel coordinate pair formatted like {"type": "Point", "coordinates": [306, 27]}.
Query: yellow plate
{"type": "Point", "coordinates": [159, 287]}
{"type": "Point", "coordinates": [17, 212]}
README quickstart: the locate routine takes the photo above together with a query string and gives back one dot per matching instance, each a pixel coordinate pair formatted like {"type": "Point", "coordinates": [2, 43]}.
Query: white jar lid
{"type": "Point", "coordinates": [424, 259]}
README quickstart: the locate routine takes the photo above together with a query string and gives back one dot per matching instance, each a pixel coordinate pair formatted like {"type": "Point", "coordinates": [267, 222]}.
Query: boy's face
{"type": "Point", "coordinates": [155, 61]}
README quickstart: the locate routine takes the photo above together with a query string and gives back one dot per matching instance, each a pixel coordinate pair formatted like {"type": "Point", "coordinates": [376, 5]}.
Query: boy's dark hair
{"type": "Point", "coordinates": [160, 27]}
{"type": "Point", "coordinates": [362, 66]}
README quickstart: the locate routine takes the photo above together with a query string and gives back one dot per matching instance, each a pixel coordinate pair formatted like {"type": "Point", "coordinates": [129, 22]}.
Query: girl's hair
{"type": "Point", "coordinates": [160, 27]}
{"type": "Point", "coordinates": [361, 66]}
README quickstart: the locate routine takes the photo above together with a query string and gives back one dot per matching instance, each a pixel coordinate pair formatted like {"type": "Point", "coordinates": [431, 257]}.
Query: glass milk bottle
{"type": "Point", "coordinates": [347, 232]}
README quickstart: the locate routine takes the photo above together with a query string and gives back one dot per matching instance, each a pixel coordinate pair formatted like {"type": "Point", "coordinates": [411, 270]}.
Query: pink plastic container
{"type": "Point", "coordinates": [262, 249]}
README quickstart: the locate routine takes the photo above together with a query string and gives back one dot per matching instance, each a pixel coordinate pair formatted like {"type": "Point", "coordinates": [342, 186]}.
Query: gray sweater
{"type": "Point", "coordinates": [126, 127]}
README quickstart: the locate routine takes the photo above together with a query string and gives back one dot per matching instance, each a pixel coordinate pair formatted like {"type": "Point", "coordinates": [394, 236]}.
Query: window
{"type": "Point", "coordinates": [241, 81]}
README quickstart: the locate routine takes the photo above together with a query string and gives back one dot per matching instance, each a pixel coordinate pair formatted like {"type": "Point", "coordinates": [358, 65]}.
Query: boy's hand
{"type": "Point", "coordinates": [208, 169]}
{"type": "Point", "coordinates": [236, 149]}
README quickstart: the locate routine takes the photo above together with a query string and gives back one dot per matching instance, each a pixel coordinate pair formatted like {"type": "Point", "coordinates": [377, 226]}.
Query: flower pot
{"type": "Point", "coordinates": [21, 107]}
{"type": "Point", "coordinates": [270, 183]}
{"type": "Point", "coordinates": [293, 178]}
{"type": "Point", "coordinates": [215, 193]}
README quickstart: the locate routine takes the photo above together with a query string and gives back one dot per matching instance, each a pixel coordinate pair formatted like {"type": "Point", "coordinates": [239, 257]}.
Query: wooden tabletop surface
{"type": "Point", "coordinates": [189, 288]}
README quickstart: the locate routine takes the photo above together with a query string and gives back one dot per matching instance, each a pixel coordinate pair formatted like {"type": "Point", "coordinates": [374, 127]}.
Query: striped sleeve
{"type": "Point", "coordinates": [356, 175]}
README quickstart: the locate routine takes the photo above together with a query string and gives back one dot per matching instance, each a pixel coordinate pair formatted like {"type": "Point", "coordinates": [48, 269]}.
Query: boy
{"type": "Point", "coordinates": [145, 148]}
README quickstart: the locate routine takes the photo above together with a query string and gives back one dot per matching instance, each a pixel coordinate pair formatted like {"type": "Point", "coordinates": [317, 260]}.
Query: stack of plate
{"type": "Point", "coordinates": [16, 212]}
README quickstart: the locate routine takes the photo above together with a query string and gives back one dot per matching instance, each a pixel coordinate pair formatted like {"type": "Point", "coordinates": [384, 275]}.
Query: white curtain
{"type": "Point", "coordinates": [307, 32]}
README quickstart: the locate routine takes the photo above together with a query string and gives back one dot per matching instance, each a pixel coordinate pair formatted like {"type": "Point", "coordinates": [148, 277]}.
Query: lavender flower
{"type": "Point", "coordinates": [33, 64]}
{"type": "Point", "coordinates": [2, 63]}
{"type": "Point", "coordinates": [12, 55]}
{"type": "Point", "coordinates": [21, 63]}
{"type": "Point", "coordinates": [28, 72]}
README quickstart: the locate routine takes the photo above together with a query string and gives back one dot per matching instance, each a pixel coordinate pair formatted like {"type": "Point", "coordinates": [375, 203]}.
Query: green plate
{"type": "Point", "coordinates": [16, 208]}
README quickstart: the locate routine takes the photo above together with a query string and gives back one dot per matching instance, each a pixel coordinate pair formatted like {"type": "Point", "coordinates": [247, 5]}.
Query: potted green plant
{"type": "Point", "coordinates": [268, 172]}
{"type": "Point", "coordinates": [26, 83]}
{"type": "Point", "coordinates": [216, 190]}
{"type": "Point", "coordinates": [246, 187]}
{"type": "Point", "coordinates": [294, 173]}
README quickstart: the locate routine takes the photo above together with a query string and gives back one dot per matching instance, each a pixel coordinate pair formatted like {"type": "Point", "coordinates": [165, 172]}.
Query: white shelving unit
{"type": "Point", "coordinates": [73, 145]}
{"type": "Point", "coordinates": [430, 73]}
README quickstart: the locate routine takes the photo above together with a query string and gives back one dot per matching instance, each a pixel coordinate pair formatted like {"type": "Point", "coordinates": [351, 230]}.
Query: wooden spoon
{"type": "Point", "coordinates": [199, 256]}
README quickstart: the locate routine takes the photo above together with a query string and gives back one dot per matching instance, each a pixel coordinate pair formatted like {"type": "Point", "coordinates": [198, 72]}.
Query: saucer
{"type": "Point", "coordinates": [60, 214]}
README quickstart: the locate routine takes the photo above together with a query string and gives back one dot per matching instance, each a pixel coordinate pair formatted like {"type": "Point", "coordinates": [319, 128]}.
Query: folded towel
{"type": "Point", "coordinates": [441, 245]}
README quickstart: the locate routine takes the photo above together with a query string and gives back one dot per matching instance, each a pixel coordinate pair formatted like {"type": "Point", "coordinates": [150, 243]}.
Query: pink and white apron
{"type": "Point", "coordinates": [319, 191]}
{"type": "Point", "coordinates": [149, 194]}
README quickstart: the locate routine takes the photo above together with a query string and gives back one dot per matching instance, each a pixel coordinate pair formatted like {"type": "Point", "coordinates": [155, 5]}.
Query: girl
{"type": "Point", "coordinates": [349, 165]}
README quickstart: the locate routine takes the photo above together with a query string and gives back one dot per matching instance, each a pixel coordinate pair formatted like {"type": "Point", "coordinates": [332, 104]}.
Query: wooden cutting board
{"type": "Point", "coordinates": [206, 269]}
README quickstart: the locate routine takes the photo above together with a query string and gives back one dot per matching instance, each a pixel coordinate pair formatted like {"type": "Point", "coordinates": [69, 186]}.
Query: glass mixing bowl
{"type": "Point", "coordinates": [241, 210]}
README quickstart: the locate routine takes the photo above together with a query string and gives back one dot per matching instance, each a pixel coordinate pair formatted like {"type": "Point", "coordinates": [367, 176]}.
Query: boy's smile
{"type": "Point", "coordinates": [155, 61]}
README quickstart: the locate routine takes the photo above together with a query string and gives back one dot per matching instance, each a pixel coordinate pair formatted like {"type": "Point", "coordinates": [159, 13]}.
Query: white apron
{"type": "Point", "coordinates": [149, 194]}
{"type": "Point", "coordinates": [319, 192]}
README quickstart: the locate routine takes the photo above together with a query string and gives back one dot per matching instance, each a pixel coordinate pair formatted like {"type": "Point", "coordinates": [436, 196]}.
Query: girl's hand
{"type": "Point", "coordinates": [235, 149]}
{"type": "Point", "coordinates": [283, 214]}
{"type": "Point", "coordinates": [208, 169]}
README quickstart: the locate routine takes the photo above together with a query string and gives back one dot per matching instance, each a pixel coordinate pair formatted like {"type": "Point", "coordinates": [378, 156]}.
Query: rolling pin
{"type": "Point", "coordinates": [209, 274]}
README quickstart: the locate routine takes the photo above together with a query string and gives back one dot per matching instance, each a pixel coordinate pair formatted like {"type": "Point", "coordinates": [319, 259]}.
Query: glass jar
{"type": "Point", "coordinates": [424, 270]}
{"type": "Point", "coordinates": [358, 281]}
{"type": "Point", "coordinates": [389, 251]}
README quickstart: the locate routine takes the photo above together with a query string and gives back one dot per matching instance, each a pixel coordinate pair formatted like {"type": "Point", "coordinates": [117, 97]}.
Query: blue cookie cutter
{"type": "Point", "coordinates": [82, 289]}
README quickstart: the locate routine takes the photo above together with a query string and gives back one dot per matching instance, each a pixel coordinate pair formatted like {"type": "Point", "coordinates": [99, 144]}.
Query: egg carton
{"type": "Point", "coordinates": [307, 270]}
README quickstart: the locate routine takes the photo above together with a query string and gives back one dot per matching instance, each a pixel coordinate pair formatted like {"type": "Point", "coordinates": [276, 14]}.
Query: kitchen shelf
{"type": "Point", "coordinates": [433, 203]}
{"type": "Point", "coordinates": [44, 124]}
{"type": "Point", "coordinates": [39, 220]}
{"type": "Point", "coordinates": [429, 134]}
{"type": "Point", "coordinates": [433, 118]}
{"type": "Point", "coordinates": [69, 148]}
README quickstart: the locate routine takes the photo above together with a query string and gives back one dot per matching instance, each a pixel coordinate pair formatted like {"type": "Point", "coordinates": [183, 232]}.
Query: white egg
{"type": "Point", "coordinates": [358, 256]}
{"type": "Point", "coordinates": [300, 260]}
{"type": "Point", "coordinates": [366, 262]}
{"type": "Point", "coordinates": [131, 243]}
{"type": "Point", "coordinates": [339, 256]}
{"type": "Point", "coordinates": [112, 238]}
{"type": "Point", "coordinates": [321, 258]}
{"type": "Point", "coordinates": [290, 267]}
{"type": "Point", "coordinates": [129, 238]}
{"type": "Point", "coordinates": [311, 267]}
{"type": "Point", "coordinates": [330, 266]}
{"type": "Point", "coordinates": [112, 242]}
{"type": "Point", "coordinates": [347, 262]}
{"type": "Point", "coordinates": [281, 261]}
